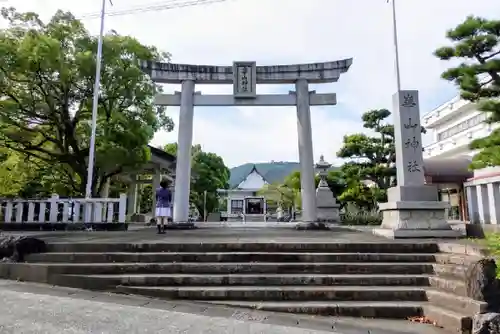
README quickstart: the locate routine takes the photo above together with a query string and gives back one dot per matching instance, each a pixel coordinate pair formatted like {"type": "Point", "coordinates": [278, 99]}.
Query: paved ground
{"type": "Point", "coordinates": [211, 232]}
{"type": "Point", "coordinates": [216, 233]}
{"type": "Point", "coordinates": [36, 308]}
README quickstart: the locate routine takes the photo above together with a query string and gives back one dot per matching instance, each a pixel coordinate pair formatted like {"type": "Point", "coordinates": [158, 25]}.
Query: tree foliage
{"type": "Point", "coordinates": [208, 173]}
{"type": "Point", "coordinates": [284, 195]}
{"type": "Point", "coordinates": [370, 169]}
{"type": "Point", "coordinates": [288, 193]}
{"type": "Point", "coordinates": [476, 42]}
{"type": "Point", "coordinates": [47, 78]}
{"type": "Point", "coordinates": [371, 158]}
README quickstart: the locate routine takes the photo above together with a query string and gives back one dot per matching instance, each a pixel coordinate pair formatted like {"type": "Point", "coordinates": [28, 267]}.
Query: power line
{"type": "Point", "coordinates": [159, 6]}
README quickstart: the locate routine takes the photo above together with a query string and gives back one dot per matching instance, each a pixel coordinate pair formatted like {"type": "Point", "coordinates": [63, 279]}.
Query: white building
{"type": "Point", "coordinates": [453, 126]}
{"type": "Point", "coordinates": [243, 202]}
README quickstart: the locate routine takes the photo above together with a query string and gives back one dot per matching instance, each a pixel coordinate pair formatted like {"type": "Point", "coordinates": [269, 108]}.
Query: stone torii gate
{"type": "Point", "coordinates": [245, 76]}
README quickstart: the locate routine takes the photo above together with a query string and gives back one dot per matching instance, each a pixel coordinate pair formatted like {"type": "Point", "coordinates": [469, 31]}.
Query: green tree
{"type": "Point", "coordinates": [371, 158]}
{"type": "Point", "coordinates": [28, 178]}
{"type": "Point", "coordinates": [283, 194]}
{"type": "Point", "coordinates": [208, 173]}
{"type": "Point", "coordinates": [46, 80]}
{"type": "Point", "coordinates": [476, 42]}
{"type": "Point", "coordinates": [12, 174]}
{"type": "Point", "coordinates": [288, 193]}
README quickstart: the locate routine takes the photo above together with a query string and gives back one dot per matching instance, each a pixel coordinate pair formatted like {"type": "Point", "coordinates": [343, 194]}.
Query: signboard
{"type": "Point", "coordinates": [244, 79]}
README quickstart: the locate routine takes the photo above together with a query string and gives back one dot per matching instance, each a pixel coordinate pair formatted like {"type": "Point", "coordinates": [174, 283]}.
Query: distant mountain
{"type": "Point", "coordinates": [271, 171]}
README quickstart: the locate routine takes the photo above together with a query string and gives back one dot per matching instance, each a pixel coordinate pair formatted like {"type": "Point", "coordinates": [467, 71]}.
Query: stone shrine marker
{"type": "Point", "coordinates": [413, 209]}
{"type": "Point", "coordinates": [245, 76]}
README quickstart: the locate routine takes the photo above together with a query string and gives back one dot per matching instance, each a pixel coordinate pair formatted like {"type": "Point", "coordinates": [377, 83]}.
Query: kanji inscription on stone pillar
{"type": "Point", "coordinates": [244, 79]}
{"type": "Point", "coordinates": [408, 139]}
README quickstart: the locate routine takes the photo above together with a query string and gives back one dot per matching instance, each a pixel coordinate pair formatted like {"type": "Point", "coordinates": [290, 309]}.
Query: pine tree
{"type": "Point", "coordinates": [476, 42]}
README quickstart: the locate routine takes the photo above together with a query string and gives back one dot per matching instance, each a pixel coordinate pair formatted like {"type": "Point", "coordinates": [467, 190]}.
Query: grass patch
{"type": "Point", "coordinates": [361, 218]}
{"type": "Point", "coordinates": [492, 242]}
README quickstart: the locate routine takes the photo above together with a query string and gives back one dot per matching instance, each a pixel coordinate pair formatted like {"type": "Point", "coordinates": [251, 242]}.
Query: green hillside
{"type": "Point", "coordinates": [272, 171]}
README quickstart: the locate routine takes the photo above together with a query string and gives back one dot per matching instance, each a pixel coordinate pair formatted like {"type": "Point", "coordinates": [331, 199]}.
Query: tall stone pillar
{"type": "Point", "coordinates": [413, 209]}
{"type": "Point", "coordinates": [155, 184]}
{"type": "Point", "coordinates": [472, 204]}
{"type": "Point", "coordinates": [132, 196]}
{"type": "Point", "coordinates": [494, 202]}
{"type": "Point", "coordinates": [305, 152]}
{"type": "Point", "coordinates": [184, 142]}
{"type": "Point", "coordinates": [484, 206]}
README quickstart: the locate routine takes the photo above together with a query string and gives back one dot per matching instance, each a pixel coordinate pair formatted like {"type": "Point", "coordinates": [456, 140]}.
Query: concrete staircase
{"type": "Point", "coordinates": [388, 280]}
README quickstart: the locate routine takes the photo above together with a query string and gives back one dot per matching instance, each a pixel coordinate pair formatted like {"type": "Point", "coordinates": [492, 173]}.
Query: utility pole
{"type": "Point", "coordinates": [396, 47]}
{"type": "Point", "coordinates": [95, 104]}
{"type": "Point", "coordinates": [205, 206]}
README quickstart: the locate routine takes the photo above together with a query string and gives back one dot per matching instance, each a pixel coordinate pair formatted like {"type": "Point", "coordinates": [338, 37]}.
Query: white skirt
{"type": "Point", "coordinates": [163, 212]}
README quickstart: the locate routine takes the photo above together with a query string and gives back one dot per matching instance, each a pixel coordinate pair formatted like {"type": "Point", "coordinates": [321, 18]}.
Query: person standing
{"type": "Point", "coordinates": [163, 205]}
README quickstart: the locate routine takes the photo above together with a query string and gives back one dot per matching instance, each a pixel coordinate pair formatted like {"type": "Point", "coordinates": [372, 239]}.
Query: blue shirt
{"type": "Point", "coordinates": [163, 198]}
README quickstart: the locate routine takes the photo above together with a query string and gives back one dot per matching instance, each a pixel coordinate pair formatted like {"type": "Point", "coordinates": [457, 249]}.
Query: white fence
{"type": "Point", "coordinates": [64, 210]}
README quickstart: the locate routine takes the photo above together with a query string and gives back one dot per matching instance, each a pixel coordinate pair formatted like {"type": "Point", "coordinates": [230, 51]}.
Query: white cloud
{"type": "Point", "coordinates": [284, 31]}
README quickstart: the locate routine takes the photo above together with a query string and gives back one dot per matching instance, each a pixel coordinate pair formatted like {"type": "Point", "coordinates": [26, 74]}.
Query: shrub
{"type": "Point", "coordinates": [492, 241]}
{"type": "Point", "coordinates": [361, 218]}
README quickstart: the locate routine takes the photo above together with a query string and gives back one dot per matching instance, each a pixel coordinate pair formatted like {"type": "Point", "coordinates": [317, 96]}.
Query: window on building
{"type": "Point", "coordinates": [462, 126]}
{"type": "Point", "coordinates": [236, 206]}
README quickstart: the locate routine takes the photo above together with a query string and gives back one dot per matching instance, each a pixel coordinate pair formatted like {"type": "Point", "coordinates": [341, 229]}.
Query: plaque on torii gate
{"type": "Point", "coordinates": [245, 76]}
{"type": "Point", "coordinates": [244, 80]}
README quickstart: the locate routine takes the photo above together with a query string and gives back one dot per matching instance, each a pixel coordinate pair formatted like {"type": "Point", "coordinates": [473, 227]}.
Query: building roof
{"type": "Point", "coordinates": [161, 154]}
{"type": "Point", "coordinates": [254, 169]}
{"type": "Point", "coordinates": [448, 169]}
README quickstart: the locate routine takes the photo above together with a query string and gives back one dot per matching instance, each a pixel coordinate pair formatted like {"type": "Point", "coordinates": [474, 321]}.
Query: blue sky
{"type": "Point", "coordinates": [286, 32]}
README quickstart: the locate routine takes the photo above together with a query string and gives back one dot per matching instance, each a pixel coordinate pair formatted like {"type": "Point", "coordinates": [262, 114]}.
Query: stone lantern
{"type": "Point", "coordinates": [322, 167]}
{"type": "Point", "coordinates": [326, 206]}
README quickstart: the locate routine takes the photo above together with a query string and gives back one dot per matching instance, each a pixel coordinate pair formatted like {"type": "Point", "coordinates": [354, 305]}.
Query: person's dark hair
{"type": "Point", "coordinates": [164, 183]}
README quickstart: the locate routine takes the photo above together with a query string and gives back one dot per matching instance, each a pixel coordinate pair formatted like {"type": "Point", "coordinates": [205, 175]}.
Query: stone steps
{"type": "Point", "coordinates": [108, 281]}
{"type": "Point", "coordinates": [454, 322]}
{"type": "Point", "coordinates": [450, 271]}
{"type": "Point", "coordinates": [375, 279]}
{"type": "Point", "coordinates": [281, 293]}
{"type": "Point", "coordinates": [455, 303]}
{"type": "Point", "coordinates": [449, 285]}
{"type": "Point", "coordinates": [365, 309]}
{"type": "Point", "coordinates": [274, 247]}
{"type": "Point", "coordinates": [413, 268]}
{"type": "Point", "coordinates": [86, 257]}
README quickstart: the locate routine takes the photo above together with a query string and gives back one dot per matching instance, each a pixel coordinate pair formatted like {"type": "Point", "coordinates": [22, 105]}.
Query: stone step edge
{"type": "Point", "coordinates": [98, 247]}
{"type": "Point", "coordinates": [452, 321]}
{"type": "Point", "coordinates": [262, 275]}
{"type": "Point", "coordinates": [365, 309]}
{"type": "Point", "coordinates": [117, 264]}
{"type": "Point", "coordinates": [287, 293]}
{"type": "Point", "coordinates": [448, 284]}
{"type": "Point", "coordinates": [105, 281]}
{"type": "Point", "coordinates": [449, 320]}
{"type": "Point", "coordinates": [284, 288]}
{"type": "Point", "coordinates": [238, 253]}
{"type": "Point", "coordinates": [320, 303]}
{"type": "Point", "coordinates": [455, 302]}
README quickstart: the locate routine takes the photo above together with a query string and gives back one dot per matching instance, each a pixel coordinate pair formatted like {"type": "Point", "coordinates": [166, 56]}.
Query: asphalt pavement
{"type": "Point", "coordinates": [28, 308]}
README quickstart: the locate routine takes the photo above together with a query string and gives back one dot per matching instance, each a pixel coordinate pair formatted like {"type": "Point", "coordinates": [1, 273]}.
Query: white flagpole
{"type": "Point", "coordinates": [90, 170]}
{"type": "Point", "coordinates": [396, 48]}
